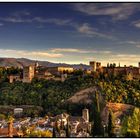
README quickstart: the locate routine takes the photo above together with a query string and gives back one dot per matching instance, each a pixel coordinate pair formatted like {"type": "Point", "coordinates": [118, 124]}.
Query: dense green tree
{"type": "Point", "coordinates": [111, 124]}
{"type": "Point", "coordinates": [67, 129]}
{"type": "Point", "coordinates": [131, 124]}
{"type": "Point", "coordinates": [52, 95]}
{"type": "Point", "coordinates": [97, 130]}
{"type": "Point", "coordinates": [54, 133]}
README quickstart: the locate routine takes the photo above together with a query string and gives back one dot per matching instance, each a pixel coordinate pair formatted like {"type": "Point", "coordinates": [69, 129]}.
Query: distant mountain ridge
{"type": "Point", "coordinates": [21, 62]}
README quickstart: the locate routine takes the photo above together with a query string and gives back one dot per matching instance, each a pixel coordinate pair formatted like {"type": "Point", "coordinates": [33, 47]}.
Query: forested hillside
{"type": "Point", "coordinates": [52, 94]}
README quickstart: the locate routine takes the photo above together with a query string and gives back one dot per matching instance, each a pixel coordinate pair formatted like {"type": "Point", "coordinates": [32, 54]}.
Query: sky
{"type": "Point", "coordinates": [71, 33]}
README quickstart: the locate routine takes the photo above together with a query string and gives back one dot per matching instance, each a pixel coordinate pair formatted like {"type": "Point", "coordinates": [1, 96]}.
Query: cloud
{"type": "Point", "coordinates": [68, 50]}
{"type": "Point", "coordinates": [131, 42]}
{"type": "Point", "coordinates": [138, 46]}
{"type": "Point", "coordinates": [136, 23]}
{"type": "Point", "coordinates": [88, 30]}
{"type": "Point", "coordinates": [17, 17]}
{"type": "Point", "coordinates": [127, 58]}
{"type": "Point", "coordinates": [52, 20]}
{"type": "Point", "coordinates": [15, 20]}
{"type": "Point", "coordinates": [84, 28]}
{"type": "Point", "coordinates": [135, 43]}
{"type": "Point", "coordinates": [73, 50]}
{"type": "Point", "coordinates": [21, 13]}
{"type": "Point", "coordinates": [118, 11]}
{"type": "Point", "coordinates": [45, 54]}
{"type": "Point", "coordinates": [25, 16]}
{"type": "Point", "coordinates": [36, 19]}
{"type": "Point", "coordinates": [1, 24]}
{"type": "Point", "coordinates": [24, 53]}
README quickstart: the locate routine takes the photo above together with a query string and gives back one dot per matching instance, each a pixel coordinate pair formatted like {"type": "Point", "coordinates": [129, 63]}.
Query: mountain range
{"type": "Point", "coordinates": [21, 62]}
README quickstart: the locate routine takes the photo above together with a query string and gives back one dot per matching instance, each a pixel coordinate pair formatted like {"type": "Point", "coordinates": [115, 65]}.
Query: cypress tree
{"type": "Point", "coordinates": [97, 119]}
{"type": "Point", "coordinates": [97, 101]}
{"type": "Point", "coordinates": [67, 129]}
{"type": "Point", "coordinates": [110, 124]}
{"type": "Point", "coordinates": [54, 135]}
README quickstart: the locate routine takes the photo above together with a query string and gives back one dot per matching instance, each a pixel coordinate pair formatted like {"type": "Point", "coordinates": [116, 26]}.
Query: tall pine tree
{"type": "Point", "coordinates": [111, 124]}
{"type": "Point", "coordinates": [97, 130]}
{"type": "Point", "coordinates": [67, 129]}
{"type": "Point", "coordinates": [54, 135]}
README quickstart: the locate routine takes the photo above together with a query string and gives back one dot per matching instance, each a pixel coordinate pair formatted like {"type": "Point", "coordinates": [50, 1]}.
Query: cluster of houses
{"type": "Point", "coordinates": [62, 125]}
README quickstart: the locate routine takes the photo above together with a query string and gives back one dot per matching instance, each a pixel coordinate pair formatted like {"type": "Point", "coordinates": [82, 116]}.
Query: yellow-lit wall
{"type": "Point", "coordinates": [58, 70]}
{"type": "Point", "coordinates": [62, 69]}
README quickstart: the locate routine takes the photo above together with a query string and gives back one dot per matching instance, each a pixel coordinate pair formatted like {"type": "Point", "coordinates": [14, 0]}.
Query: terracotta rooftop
{"type": "Point", "coordinates": [4, 132]}
{"type": "Point", "coordinates": [76, 118]}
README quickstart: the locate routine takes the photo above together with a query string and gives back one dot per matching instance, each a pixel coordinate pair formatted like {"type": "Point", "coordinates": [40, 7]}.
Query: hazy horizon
{"type": "Point", "coordinates": [104, 65]}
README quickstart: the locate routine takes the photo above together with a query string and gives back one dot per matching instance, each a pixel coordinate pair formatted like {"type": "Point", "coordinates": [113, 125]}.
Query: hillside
{"type": "Point", "coordinates": [86, 97]}
{"type": "Point", "coordinates": [9, 62]}
{"type": "Point", "coordinates": [20, 62]}
{"type": "Point", "coordinates": [119, 110]}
